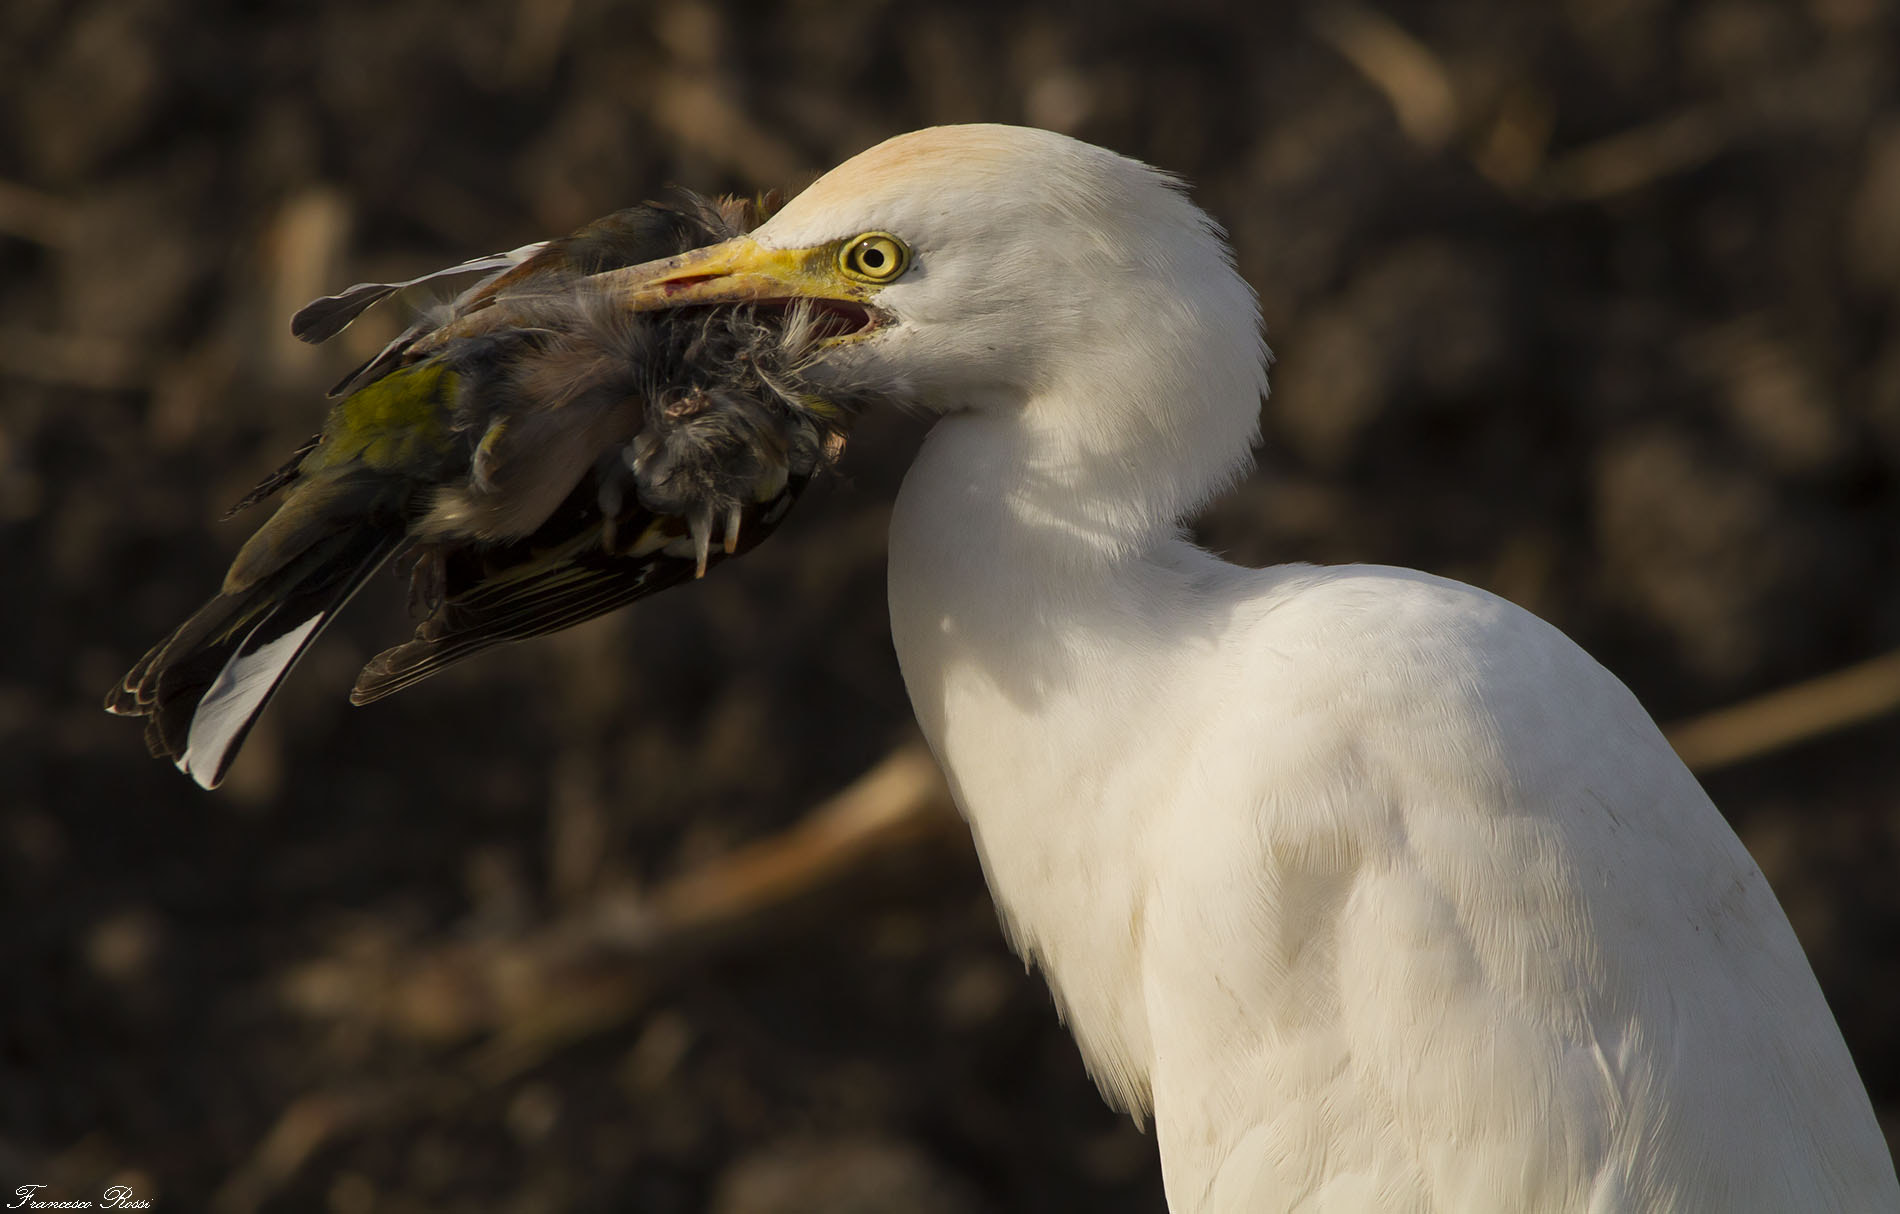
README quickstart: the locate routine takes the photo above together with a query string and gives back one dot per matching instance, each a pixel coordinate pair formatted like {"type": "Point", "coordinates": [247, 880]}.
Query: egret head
{"type": "Point", "coordinates": [1004, 269]}
{"type": "Point", "coordinates": [969, 262]}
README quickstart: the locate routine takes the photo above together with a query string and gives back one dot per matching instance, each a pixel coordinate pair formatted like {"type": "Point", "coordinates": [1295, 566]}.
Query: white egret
{"type": "Point", "coordinates": [1375, 889]}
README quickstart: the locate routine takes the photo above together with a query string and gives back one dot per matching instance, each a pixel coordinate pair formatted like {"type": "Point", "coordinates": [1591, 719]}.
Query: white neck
{"type": "Point", "coordinates": [1042, 622]}
{"type": "Point", "coordinates": [1016, 563]}
{"type": "Point", "coordinates": [1053, 627]}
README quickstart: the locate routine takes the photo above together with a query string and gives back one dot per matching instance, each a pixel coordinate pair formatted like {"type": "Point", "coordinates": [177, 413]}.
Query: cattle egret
{"type": "Point", "coordinates": [1374, 890]}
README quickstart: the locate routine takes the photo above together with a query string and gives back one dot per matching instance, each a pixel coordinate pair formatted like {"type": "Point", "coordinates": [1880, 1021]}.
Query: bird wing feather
{"type": "Point", "coordinates": [572, 570]}
{"type": "Point", "coordinates": [321, 319]}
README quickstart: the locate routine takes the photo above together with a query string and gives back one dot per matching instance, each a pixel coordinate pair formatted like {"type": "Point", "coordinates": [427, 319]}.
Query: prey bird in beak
{"type": "Point", "coordinates": [570, 436]}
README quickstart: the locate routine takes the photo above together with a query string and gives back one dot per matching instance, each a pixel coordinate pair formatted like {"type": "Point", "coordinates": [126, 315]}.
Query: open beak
{"type": "Point", "coordinates": [742, 271]}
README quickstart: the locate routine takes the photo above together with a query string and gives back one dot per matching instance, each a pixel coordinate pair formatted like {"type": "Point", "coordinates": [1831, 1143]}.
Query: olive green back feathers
{"type": "Point", "coordinates": [532, 455]}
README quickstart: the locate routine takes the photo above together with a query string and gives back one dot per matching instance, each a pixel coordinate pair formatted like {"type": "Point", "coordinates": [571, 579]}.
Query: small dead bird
{"type": "Point", "coordinates": [537, 454]}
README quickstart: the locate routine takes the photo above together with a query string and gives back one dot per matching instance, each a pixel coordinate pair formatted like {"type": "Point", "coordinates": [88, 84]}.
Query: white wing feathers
{"type": "Point", "coordinates": [1501, 952]}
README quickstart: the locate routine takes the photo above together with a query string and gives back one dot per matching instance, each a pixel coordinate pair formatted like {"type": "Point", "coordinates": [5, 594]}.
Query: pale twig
{"type": "Point", "coordinates": [538, 991]}
{"type": "Point", "coordinates": [1632, 159]}
{"type": "Point", "coordinates": [1400, 66]}
{"type": "Point", "coordinates": [305, 250]}
{"type": "Point", "coordinates": [1799, 103]}
{"type": "Point", "coordinates": [582, 985]}
{"type": "Point", "coordinates": [300, 1131]}
{"type": "Point", "coordinates": [1789, 715]}
{"type": "Point", "coordinates": [897, 803]}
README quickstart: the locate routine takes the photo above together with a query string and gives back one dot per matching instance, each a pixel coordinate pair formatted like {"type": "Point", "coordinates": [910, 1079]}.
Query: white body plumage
{"type": "Point", "coordinates": [1378, 891]}
{"type": "Point", "coordinates": [1384, 896]}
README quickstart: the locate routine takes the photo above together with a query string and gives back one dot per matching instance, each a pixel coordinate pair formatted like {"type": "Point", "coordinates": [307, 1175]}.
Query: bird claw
{"type": "Point", "coordinates": [701, 527]}
{"type": "Point", "coordinates": [735, 514]}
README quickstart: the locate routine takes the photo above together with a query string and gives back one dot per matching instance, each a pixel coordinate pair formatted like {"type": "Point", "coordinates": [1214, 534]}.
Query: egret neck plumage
{"type": "Point", "coordinates": [1044, 605]}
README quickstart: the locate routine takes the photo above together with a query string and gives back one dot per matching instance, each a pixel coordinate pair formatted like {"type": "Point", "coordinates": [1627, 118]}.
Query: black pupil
{"type": "Point", "coordinates": [873, 258]}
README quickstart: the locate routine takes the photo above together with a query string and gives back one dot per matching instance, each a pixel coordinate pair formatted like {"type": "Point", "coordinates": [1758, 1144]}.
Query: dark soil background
{"type": "Point", "coordinates": [1593, 303]}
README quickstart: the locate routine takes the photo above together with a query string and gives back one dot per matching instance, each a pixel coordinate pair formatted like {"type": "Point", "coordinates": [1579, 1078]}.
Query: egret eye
{"type": "Point", "coordinates": [875, 257]}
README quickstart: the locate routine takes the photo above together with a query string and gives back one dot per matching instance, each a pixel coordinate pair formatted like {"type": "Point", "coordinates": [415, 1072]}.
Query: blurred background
{"type": "Point", "coordinates": [1591, 303]}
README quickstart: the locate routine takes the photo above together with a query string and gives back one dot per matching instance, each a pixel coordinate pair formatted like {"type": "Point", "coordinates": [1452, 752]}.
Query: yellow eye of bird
{"type": "Point", "coordinates": [875, 257]}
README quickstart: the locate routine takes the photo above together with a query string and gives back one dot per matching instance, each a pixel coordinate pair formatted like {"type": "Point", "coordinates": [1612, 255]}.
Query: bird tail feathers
{"type": "Point", "coordinates": [202, 688]}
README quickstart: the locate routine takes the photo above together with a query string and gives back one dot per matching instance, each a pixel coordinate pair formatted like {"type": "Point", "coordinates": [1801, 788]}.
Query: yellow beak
{"type": "Point", "coordinates": [739, 271]}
